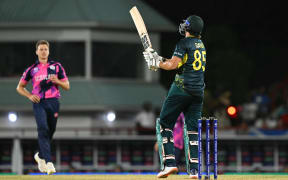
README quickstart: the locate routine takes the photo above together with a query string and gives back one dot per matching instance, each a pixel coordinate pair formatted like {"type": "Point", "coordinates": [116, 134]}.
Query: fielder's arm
{"type": "Point", "coordinates": [170, 64]}
{"type": "Point", "coordinates": [24, 92]}
{"type": "Point", "coordinates": [63, 84]}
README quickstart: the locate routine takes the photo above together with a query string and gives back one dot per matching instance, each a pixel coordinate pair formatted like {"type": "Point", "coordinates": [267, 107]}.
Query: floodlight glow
{"type": "Point", "coordinates": [232, 111]}
{"type": "Point", "coordinates": [12, 116]}
{"type": "Point", "coordinates": [111, 116]}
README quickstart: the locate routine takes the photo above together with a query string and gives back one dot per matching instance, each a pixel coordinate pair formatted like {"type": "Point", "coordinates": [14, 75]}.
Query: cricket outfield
{"type": "Point", "coordinates": [136, 177]}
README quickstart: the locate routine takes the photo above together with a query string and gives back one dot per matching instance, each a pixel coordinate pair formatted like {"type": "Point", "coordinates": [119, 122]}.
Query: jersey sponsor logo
{"type": "Point", "coordinates": [40, 77]}
{"type": "Point", "coordinates": [178, 53]}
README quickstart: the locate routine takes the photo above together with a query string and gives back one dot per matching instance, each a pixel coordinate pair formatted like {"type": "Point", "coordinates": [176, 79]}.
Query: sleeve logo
{"type": "Point", "coordinates": [52, 67]}
{"type": "Point", "coordinates": [36, 69]}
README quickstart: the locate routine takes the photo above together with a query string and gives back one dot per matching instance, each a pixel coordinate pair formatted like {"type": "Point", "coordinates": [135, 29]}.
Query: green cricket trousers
{"type": "Point", "coordinates": [190, 103]}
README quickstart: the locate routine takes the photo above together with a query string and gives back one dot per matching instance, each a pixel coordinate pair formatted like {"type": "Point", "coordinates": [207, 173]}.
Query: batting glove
{"type": "Point", "coordinates": [155, 55]}
{"type": "Point", "coordinates": [148, 58]}
{"type": "Point", "coordinates": [156, 58]}
{"type": "Point", "coordinates": [152, 63]}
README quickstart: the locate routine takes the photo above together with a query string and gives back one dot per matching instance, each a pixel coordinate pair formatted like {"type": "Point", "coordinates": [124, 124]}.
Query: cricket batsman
{"type": "Point", "coordinates": [185, 95]}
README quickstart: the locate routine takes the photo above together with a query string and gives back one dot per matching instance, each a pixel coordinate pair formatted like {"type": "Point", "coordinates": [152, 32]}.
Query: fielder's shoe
{"type": "Point", "coordinates": [167, 171]}
{"type": "Point", "coordinates": [50, 168]}
{"type": "Point", "coordinates": [41, 163]}
{"type": "Point", "coordinates": [193, 174]}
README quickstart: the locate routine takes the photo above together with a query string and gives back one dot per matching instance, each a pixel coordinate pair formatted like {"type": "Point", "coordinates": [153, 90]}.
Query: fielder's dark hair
{"type": "Point", "coordinates": [40, 42]}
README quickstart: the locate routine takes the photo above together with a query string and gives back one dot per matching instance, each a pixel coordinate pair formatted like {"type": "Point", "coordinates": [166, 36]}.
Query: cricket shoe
{"type": "Point", "coordinates": [167, 171]}
{"type": "Point", "coordinates": [193, 174]}
{"type": "Point", "coordinates": [50, 168]}
{"type": "Point", "coordinates": [41, 163]}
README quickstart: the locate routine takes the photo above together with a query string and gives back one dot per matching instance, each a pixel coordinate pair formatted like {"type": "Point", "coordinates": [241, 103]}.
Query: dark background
{"type": "Point", "coordinates": [245, 42]}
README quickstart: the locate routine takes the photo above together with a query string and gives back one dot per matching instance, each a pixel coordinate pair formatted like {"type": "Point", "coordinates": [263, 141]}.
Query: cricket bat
{"type": "Point", "coordinates": [141, 28]}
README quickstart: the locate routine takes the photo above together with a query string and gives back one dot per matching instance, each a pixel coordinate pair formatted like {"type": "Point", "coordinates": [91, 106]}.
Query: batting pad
{"type": "Point", "coordinates": [160, 143]}
{"type": "Point", "coordinates": [187, 144]}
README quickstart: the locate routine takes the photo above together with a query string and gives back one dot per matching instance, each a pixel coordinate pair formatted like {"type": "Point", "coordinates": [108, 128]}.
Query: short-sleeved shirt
{"type": "Point", "coordinates": [40, 73]}
{"type": "Point", "coordinates": [191, 69]}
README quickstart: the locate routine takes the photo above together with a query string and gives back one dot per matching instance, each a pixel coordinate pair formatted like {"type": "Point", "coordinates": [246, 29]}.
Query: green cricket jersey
{"type": "Point", "coordinates": [191, 70]}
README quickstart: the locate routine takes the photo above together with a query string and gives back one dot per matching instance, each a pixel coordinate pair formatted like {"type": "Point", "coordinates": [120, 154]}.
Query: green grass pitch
{"type": "Point", "coordinates": [137, 177]}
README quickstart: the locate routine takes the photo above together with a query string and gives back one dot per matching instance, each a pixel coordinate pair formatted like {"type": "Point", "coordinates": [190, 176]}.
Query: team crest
{"type": "Point", "coordinates": [52, 67]}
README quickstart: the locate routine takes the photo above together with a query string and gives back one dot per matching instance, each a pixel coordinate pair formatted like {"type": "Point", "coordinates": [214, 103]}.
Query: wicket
{"type": "Point", "coordinates": [207, 153]}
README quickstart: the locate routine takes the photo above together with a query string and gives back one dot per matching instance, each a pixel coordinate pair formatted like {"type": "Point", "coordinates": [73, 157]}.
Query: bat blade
{"type": "Point", "coordinates": [141, 28]}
